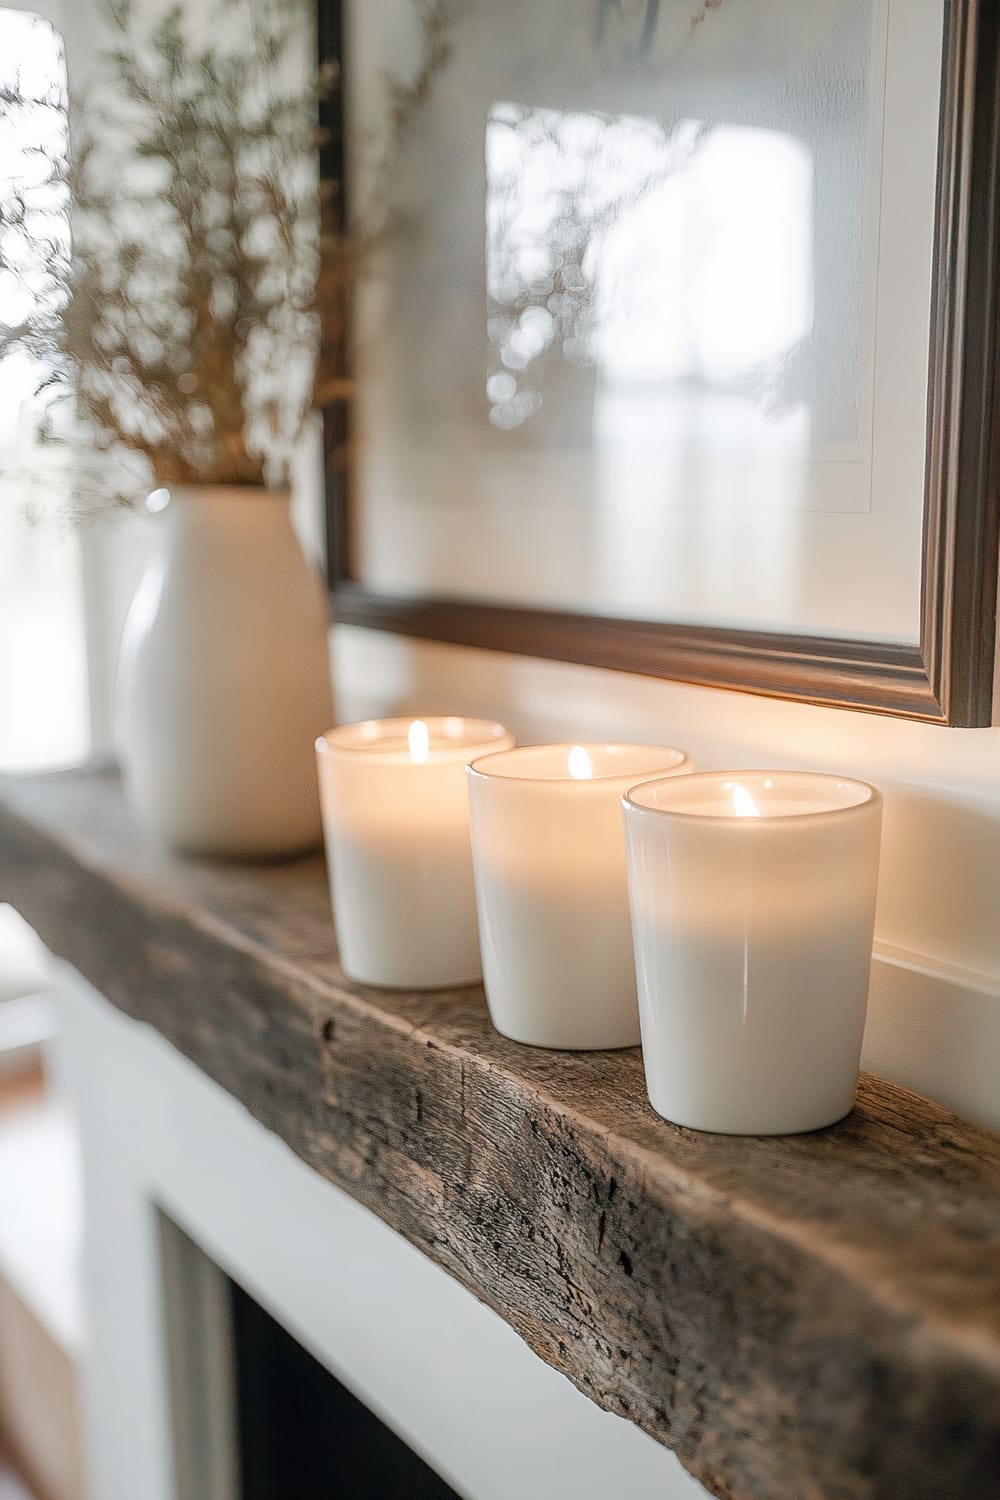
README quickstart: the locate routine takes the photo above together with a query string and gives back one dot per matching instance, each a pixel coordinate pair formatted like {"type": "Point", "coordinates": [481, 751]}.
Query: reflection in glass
{"type": "Point", "coordinates": [641, 256]}
{"type": "Point", "coordinates": [622, 359]}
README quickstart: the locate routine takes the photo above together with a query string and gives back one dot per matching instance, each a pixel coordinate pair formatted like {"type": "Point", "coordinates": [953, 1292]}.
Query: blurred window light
{"type": "Point", "coordinates": [659, 256]}
{"type": "Point", "coordinates": [43, 673]}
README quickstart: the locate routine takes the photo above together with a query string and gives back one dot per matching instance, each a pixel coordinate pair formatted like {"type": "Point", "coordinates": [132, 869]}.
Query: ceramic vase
{"type": "Point", "coordinates": [224, 678]}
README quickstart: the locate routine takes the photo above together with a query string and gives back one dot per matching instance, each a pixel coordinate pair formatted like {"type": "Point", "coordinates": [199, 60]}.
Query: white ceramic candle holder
{"type": "Point", "coordinates": [753, 907]}
{"type": "Point", "coordinates": [396, 823]}
{"type": "Point", "coordinates": [549, 860]}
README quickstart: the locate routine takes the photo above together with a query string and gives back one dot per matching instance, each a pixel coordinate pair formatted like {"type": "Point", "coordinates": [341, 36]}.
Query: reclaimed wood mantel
{"type": "Point", "coordinates": [812, 1316]}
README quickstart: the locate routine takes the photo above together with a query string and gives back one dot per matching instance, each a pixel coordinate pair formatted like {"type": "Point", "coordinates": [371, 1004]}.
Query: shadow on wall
{"type": "Point", "coordinates": [940, 888]}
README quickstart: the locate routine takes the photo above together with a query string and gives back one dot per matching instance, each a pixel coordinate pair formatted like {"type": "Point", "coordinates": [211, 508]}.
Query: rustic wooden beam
{"type": "Point", "coordinates": [814, 1316]}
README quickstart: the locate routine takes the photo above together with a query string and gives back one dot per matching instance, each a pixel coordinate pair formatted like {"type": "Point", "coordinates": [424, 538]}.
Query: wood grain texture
{"type": "Point", "coordinates": [814, 1316]}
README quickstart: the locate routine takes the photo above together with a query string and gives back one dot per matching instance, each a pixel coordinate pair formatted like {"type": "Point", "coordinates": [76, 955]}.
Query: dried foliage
{"type": "Point", "coordinates": [200, 315]}
{"type": "Point", "coordinates": [637, 21]}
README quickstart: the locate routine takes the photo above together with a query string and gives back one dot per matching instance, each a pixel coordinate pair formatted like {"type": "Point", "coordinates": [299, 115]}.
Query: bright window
{"type": "Point", "coordinates": [43, 683]}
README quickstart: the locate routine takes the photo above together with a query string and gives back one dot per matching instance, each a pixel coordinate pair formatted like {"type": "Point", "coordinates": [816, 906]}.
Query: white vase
{"type": "Point", "coordinates": [224, 678]}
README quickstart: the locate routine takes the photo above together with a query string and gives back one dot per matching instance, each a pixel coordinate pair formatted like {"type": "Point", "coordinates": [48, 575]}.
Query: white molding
{"type": "Point", "coordinates": [940, 970]}
{"type": "Point", "coordinates": [934, 1027]}
{"type": "Point", "coordinates": [202, 1379]}
{"type": "Point", "coordinates": [441, 1369]}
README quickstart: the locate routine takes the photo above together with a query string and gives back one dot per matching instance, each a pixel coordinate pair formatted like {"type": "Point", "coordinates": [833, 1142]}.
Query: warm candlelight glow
{"type": "Point", "coordinates": [551, 889]}
{"type": "Point", "coordinates": [396, 820]}
{"type": "Point", "coordinates": [578, 764]}
{"type": "Point", "coordinates": [419, 741]}
{"type": "Point", "coordinates": [753, 944]}
{"type": "Point", "coordinates": [743, 804]}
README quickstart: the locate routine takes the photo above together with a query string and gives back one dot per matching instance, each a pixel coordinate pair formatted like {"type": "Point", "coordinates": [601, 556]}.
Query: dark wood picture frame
{"type": "Point", "coordinates": [948, 677]}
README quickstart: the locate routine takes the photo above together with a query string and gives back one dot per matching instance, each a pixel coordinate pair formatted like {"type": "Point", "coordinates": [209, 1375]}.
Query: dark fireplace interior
{"type": "Point", "coordinates": [303, 1435]}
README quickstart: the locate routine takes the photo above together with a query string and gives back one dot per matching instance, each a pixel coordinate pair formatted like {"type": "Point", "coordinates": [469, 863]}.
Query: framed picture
{"type": "Point", "coordinates": [679, 352]}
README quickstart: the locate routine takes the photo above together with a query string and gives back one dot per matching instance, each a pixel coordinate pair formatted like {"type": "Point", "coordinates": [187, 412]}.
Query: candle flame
{"type": "Point", "coordinates": [743, 804]}
{"type": "Point", "coordinates": [578, 764]}
{"type": "Point", "coordinates": [419, 739]}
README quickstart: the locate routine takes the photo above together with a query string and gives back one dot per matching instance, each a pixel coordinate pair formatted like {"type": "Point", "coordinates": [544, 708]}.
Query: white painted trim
{"type": "Point", "coordinates": [935, 1027]}
{"type": "Point", "coordinates": [938, 969]}
{"type": "Point", "coordinates": [202, 1378]}
{"type": "Point", "coordinates": [446, 1373]}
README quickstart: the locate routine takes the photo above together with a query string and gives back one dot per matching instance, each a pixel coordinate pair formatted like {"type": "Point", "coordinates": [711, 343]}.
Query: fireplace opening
{"type": "Point", "coordinates": [302, 1435]}
{"type": "Point", "coordinates": [254, 1416]}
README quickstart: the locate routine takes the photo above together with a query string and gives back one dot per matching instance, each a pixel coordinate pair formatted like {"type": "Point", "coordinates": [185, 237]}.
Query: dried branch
{"type": "Point", "coordinates": [200, 314]}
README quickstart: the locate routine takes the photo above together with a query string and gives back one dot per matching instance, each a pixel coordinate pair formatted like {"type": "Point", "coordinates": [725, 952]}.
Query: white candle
{"type": "Point", "coordinates": [753, 906]}
{"type": "Point", "coordinates": [549, 860]}
{"type": "Point", "coordinates": [396, 823]}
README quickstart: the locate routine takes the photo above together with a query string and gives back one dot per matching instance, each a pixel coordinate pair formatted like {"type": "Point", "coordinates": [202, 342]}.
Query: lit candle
{"type": "Point", "coordinates": [549, 860]}
{"type": "Point", "coordinates": [396, 822]}
{"type": "Point", "coordinates": [753, 907]}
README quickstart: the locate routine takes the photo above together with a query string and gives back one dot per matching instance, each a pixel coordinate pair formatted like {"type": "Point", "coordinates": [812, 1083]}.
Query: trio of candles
{"type": "Point", "coordinates": [607, 894]}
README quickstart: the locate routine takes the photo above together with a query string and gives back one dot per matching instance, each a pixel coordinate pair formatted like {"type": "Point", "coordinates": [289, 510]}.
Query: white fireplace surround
{"type": "Point", "coordinates": [164, 1146]}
